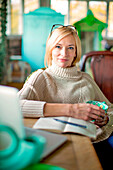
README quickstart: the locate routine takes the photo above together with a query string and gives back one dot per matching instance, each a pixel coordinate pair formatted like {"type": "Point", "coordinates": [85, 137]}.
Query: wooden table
{"type": "Point", "coordinates": [76, 154]}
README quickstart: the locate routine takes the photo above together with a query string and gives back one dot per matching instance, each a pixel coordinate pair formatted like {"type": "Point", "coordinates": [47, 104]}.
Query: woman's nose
{"type": "Point", "coordinates": [64, 52]}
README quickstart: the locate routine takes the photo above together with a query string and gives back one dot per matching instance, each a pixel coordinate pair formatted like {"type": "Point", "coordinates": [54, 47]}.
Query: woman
{"type": "Point", "coordinates": [61, 90]}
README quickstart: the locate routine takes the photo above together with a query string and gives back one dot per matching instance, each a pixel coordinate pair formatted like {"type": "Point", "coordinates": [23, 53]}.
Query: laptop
{"type": "Point", "coordinates": [11, 115]}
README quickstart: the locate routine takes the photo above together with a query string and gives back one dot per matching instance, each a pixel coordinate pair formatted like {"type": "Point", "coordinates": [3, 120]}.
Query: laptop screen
{"type": "Point", "coordinates": [10, 112]}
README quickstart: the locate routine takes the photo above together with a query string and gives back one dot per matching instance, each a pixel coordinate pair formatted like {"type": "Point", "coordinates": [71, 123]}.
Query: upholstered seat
{"type": "Point", "coordinates": [102, 70]}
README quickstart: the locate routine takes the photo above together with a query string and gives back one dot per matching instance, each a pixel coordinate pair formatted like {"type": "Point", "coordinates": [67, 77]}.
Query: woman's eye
{"type": "Point", "coordinates": [71, 48]}
{"type": "Point", "coordinates": [57, 46]}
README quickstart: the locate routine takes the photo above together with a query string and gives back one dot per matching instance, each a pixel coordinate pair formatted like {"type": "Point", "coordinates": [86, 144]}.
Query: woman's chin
{"type": "Point", "coordinates": [62, 64]}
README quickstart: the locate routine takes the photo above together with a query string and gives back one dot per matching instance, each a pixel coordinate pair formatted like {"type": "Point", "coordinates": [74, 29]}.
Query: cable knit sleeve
{"type": "Point", "coordinates": [99, 96]}
{"type": "Point", "coordinates": [30, 104]}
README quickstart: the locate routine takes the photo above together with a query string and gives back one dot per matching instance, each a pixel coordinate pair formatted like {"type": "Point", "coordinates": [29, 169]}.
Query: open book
{"type": "Point", "coordinates": [66, 124]}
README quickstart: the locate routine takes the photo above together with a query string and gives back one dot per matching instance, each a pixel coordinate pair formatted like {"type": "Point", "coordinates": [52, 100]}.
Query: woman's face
{"type": "Point", "coordinates": [64, 52]}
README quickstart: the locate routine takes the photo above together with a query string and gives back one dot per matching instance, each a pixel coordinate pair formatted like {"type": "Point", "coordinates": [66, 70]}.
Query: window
{"type": "Point", "coordinates": [16, 8]}
{"type": "Point", "coordinates": [58, 6]}
{"type": "Point", "coordinates": [16, 17]}
{"type": "Point", "coordinates": [73, 11]}
{"type": "Point", "coordinates": [30, 5]}
{"type": "Point", "coordinates": [76, 7]}
{"type": "Point", "coordinates": [99, 9]}
{"type": "Point", "coordinates": [78, 10]}
{"type": "Point", "coordinates": [110, 20]}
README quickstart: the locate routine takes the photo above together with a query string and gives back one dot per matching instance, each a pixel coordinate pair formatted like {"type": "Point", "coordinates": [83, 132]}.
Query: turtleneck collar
{"type": "Point", "coordinates": [70, 72]}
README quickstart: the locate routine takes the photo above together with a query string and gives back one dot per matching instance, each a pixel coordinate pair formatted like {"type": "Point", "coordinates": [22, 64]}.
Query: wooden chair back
{"type": "Point", "coordinates": [102, 70]}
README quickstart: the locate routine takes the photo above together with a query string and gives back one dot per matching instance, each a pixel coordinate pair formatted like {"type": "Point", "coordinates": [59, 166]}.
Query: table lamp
{"type": "Point", "coordinates": [17, 153]}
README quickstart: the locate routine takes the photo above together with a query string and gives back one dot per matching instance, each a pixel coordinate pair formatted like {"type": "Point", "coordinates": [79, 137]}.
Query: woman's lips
{"type": "Point", "coordinates": [62, 59]}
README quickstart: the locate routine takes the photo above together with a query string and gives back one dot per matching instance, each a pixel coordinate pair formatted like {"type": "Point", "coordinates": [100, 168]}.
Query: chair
{"type": "Point", "coordinates": [102, 70]}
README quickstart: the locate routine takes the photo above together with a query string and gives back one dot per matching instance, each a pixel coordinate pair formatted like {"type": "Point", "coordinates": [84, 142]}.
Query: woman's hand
{"type": "Point", "coordinates": [103, 122]}
{"type": "Point", "coordinates": [89, 112]}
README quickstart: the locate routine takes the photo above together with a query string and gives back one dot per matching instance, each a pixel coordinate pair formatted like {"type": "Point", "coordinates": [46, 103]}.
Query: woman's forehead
{"type": "Point", "coordinates": [69, 39]}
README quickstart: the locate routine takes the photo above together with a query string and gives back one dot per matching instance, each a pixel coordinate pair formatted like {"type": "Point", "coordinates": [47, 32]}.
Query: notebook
{"type": "Point", "coordinates": [11, 115]}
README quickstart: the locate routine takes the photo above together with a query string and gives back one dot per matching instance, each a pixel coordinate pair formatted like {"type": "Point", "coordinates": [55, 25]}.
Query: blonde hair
{"type": "Point", "coordinates": [54, 37]}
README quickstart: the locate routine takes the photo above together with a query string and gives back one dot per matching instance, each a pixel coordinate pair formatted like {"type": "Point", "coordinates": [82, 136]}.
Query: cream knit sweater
{"type": "Point", "coordinates": [61, 85]}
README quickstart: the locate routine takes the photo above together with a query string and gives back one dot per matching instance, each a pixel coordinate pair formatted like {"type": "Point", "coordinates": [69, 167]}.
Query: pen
{"type": "Point", "coordinates": [73, 124]}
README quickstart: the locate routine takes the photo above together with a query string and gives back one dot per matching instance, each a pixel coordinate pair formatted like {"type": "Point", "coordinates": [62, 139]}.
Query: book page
{"type": "Point", "coordinates": [90, 129]}
{"type": "Point", "coordinates": [49, 123]}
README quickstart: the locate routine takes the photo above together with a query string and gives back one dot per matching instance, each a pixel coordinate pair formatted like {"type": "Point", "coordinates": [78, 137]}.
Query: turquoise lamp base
{"type": "Point", "coordinates": [21, 152]}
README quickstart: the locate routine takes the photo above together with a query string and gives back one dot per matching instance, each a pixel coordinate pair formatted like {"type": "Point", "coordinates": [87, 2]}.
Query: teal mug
{"type": "Point", "coordinates": [103, 105]}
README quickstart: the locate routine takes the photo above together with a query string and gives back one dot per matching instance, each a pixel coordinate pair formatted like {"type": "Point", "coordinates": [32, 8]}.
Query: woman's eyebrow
{"type": "Point", "coordinates": [68, 45]}
{"type": "Point", "coordinates": [58, 44]}
{"type": "Point", "coordinates": [71, 45]}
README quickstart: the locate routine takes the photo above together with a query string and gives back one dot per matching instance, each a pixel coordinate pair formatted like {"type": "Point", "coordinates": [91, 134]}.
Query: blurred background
{"type": "Point", "coordinates": [26, 24]}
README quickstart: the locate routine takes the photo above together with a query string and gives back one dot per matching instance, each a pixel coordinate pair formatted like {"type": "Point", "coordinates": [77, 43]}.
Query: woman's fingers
{"type": "Point", "coordinates": [99, 114]}
{"type": "Point", "coordinates": [89, 112]}
{"type": "Point", "coordinates": [103, 122]}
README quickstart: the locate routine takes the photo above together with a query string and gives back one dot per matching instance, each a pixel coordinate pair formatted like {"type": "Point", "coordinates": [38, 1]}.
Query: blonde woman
{"type": "Point", "coordinates": [62, 90]}
{"type": "Point", "coordinates": [61, 87]}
